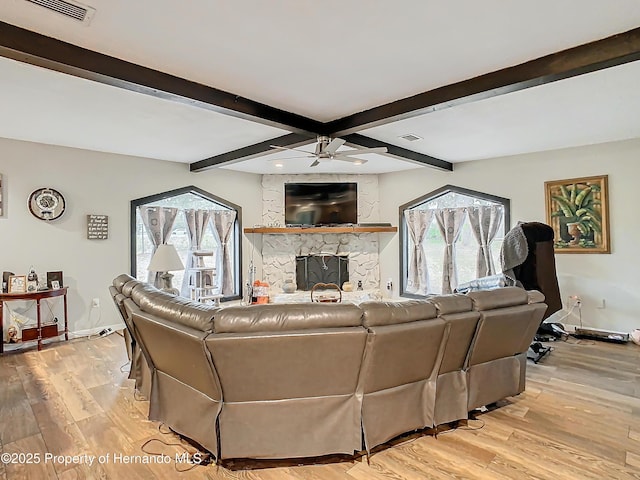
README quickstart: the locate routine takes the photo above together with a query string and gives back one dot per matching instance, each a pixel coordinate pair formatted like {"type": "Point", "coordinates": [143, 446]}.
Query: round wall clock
{"type": "Point", "coordinates": [46, 204]}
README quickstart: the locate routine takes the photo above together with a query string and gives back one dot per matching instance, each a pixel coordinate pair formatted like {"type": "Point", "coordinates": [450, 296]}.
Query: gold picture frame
{"type": "Point", "coordinates": [578, 211]}
{"type": "Point", "coordinates": [17, 284]}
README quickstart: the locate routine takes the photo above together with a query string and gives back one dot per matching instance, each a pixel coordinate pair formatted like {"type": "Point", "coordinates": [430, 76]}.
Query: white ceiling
{"type": "Point", "coordinates": [323, 60]}
{"type": "Point", "coordinates": [594, 108]}
{"type": "Point", "coordinates": [54, 108]}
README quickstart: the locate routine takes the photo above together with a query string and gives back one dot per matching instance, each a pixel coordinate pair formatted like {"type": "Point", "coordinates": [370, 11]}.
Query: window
{"type": "Point", "coordinates": [204, 229]}
{"type": "Point", "coordinates": [450, 236]}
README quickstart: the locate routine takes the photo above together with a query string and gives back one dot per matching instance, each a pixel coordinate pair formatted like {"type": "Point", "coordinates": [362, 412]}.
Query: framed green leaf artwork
{"type": "Point", "coordinates": [578, 211]}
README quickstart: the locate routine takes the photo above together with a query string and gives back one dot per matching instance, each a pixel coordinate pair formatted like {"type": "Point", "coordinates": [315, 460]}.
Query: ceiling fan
{"type": "Point", "coordinates": [327, 149]}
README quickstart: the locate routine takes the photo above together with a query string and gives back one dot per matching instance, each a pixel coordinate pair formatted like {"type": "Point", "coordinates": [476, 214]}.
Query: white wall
{"type": "Point", "coordinates": [594, 277]}
{"type": "Point", "coordinates": [96, 183]}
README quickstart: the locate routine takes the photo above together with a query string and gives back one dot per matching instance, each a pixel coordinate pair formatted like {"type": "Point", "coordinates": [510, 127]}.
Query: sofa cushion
{"type": "Point", "coordinates": [392, 313]}
{"type": "Point", "coordinates": [454, 303]}
{"type": "Point", "coordinates": [498, 298]}
{"type": "Point", "coordinates": [286, 317]}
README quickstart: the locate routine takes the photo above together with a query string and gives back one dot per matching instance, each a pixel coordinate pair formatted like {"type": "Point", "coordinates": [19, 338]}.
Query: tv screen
{"type": "Point", "coordinates": [320, 203]}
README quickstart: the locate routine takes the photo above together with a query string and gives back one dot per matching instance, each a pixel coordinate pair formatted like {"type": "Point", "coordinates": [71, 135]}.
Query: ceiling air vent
{"type": "Point", "coordinates": [410, 137]}
{"type": "Point", "coordinates": [74, 10]}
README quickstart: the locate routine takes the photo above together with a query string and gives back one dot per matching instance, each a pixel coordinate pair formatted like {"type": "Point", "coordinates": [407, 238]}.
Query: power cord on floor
{"type": "Point", "coordinates": [467, 427]}
{"type": "Point", "coordinates": [124, 365]}
{"type": "Point", "coordinates": [196, 459]}
{"type": "Point", "coordinates": [138, 397]}
{"type": "Point", "coordinates": [168, 432]}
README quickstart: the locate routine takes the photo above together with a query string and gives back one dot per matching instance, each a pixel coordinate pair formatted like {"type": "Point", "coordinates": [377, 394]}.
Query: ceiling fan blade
{"type": "Point", "coordinates": [315, 163]}
{"type": "Point", "coordinates": [357, 161]}
{"type": "Point", "coordinates": [361, 151]}
{"type": "Point", "coordinates": [290, 149]}
{"type": "Point", "coordinates": [334, 145]}
{"type": "Point", "coordinates": [291, 158]}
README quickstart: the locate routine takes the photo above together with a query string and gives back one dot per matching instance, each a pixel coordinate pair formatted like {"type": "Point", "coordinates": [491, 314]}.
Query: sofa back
{"type": "Point", "coordinates": [507, 323]}
{"type": "Point", "coordinates": [404, 349]}
{"type": "Point", "coordinates": [404, 342]}
{"type": "Point", "coordinates": [289, 375]}
{"type": "Point", "coordinates": [497, 358]}
{"type": "Point", "coordinates": [457, 310]}
{"type": "Point", "coordinates": [273, 352]}
{"type": "Point", "coordinates": [172, 331]}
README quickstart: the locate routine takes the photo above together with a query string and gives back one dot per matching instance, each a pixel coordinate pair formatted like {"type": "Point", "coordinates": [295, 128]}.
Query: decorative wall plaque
{"type": "Point", "coordinates": [97, 227]}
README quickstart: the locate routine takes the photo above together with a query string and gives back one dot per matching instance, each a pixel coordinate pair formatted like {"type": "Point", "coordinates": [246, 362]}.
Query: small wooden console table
{"type": "Point", "coordinates": [37, 296]}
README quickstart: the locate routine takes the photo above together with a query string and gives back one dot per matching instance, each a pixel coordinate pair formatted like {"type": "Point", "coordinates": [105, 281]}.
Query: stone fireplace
{"type": "Point", "coordinates": [359, 252]}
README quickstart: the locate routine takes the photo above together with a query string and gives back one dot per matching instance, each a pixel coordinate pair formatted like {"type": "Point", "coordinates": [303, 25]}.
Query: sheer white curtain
{"type": "Point", "coordinates": [418, 222]}
{"type": "Point", "coordinates": [484, 221]}
{"type": "Point", "coordinates": [158, 223]}
{"type": "Point", "coordinates": [450, 222]}
{"type": "Point", "coordinates": [197, 223]}
{"type": "Point", "coordinates": [223, 221]}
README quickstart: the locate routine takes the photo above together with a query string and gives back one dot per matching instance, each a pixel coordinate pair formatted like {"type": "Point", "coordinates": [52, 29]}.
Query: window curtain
{"type": "Point", "coordinates": [418, 222]}
{"type": "Point", "coordinates": [450, 222]}
{"type": "Point", "coordinates": [223, 221]}
{"type": "Point", "coordinates": [158, 223]}
{"type": "Point", "coordinates": [485, 221]}
{"type": "Point", "coordinates": [197, 222]}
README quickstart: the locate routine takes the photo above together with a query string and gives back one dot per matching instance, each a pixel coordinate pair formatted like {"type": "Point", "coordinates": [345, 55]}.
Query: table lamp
{"type": "Point", "coordinates": [164, 260]}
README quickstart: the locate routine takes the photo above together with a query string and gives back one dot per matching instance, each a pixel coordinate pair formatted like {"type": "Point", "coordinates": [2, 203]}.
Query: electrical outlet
{"type": "Point", "coordinates": [575, 300]}
{"type": "Point", "coordinates": [105, 332]}
{"type": "Point", "coordinates": [95, 303]}
{"type": "Point", "coordinates": [389, 284]}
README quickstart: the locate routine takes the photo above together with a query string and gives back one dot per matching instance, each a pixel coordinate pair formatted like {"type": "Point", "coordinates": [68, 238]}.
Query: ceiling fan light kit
{"type": "Point", "coordinates": [326, 149]}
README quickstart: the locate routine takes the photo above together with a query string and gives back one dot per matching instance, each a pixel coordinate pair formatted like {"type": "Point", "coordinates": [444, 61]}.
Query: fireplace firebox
{"type": "Point", "coordinates": [321, 268]}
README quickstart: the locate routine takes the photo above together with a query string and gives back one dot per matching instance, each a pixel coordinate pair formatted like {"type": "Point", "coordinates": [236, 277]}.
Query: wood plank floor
{"type": "Point", "coordinates": [578, 419]}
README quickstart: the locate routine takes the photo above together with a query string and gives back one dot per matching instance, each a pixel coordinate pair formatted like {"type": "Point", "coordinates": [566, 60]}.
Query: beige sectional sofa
{"type": "Point", "coordinates": [301, 380]}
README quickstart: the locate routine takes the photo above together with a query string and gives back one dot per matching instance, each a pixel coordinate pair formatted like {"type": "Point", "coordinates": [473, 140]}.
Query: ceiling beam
{"type": "Point", "coordinates": [590, 57]}
{"type": "Point", "coordinates": [292, 140]}
{"type": "Point", "coordinates": [357, 140]}
{"type": "Point", "coordinates": [29, 47]}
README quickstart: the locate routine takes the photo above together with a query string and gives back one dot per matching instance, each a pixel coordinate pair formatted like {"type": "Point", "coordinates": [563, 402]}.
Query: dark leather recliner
{"type": "Point", "coordinates": [538, 271]}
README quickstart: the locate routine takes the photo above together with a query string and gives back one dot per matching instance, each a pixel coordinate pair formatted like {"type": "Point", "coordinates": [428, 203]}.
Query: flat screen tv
{"type": "Point", "coordinates": [320, 203]}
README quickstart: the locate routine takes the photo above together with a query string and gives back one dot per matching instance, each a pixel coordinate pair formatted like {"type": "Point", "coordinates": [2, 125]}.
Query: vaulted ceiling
{"type": "Point", "coordinates": [215, 84]}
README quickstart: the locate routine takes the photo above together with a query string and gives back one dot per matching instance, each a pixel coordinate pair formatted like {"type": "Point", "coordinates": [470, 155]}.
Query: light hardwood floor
{"type": "Point", "coordinates": [578, 419]}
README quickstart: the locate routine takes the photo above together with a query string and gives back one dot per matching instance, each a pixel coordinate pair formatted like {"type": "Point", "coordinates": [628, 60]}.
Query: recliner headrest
{"type": "Point", "coordinates": [393, 313]}
{"type": "Point", "coordinates": [498, 298]}
{"type": "Point", "coordinates": [287, 317]}
{"type": "Point", "coordinates": [120, 281]}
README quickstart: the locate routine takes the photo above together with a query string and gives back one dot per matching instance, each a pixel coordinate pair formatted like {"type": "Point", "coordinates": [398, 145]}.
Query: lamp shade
{"type": "Point", "coordinates": [165, 259]}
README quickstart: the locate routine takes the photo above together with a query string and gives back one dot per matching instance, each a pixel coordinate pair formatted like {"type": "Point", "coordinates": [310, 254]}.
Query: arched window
{"type": "Point", "coordinates": [204, 229]}
{"type": "Point", "coordinates": [450, 236]}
